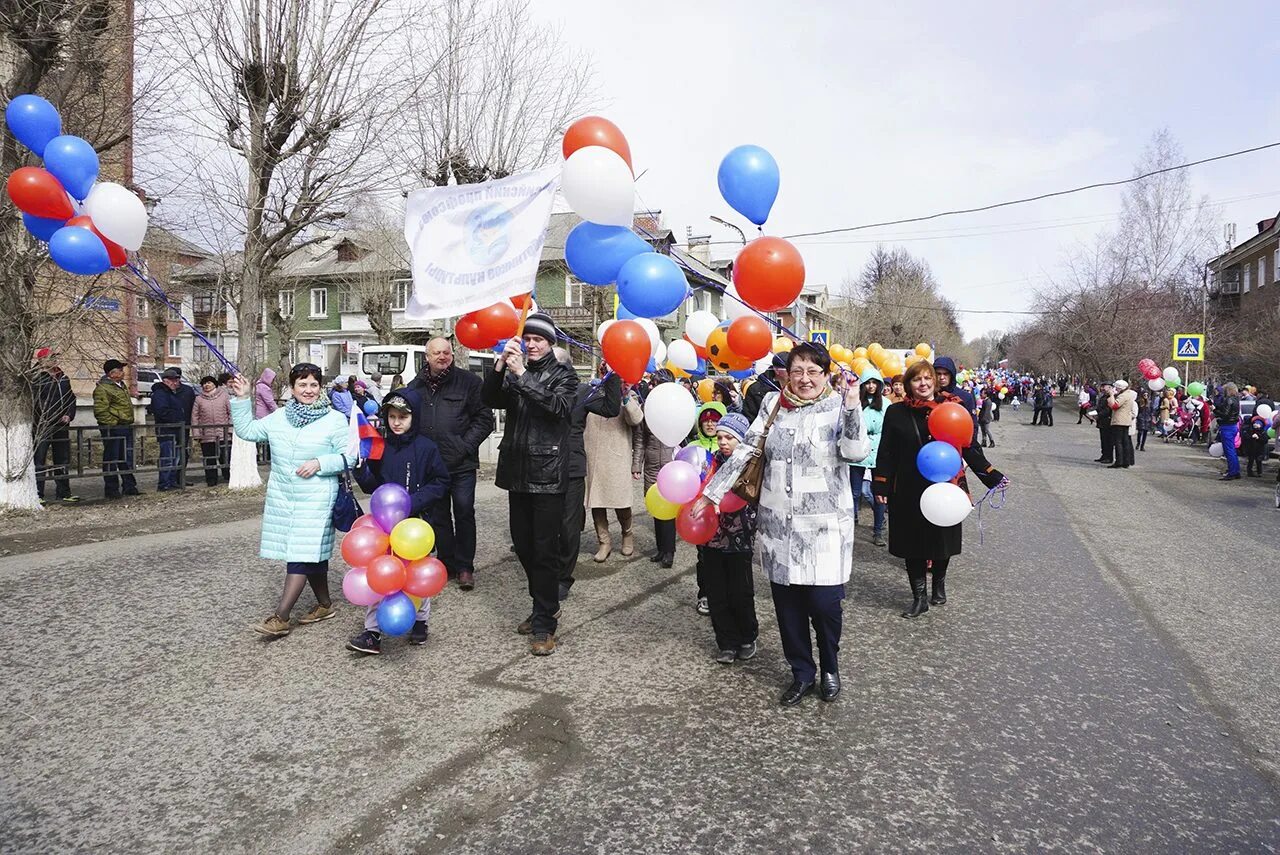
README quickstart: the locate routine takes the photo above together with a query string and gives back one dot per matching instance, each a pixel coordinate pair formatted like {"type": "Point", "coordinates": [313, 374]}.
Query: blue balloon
{"type": "Point", "coordinates": [938, 461]}
{"type": "Point", "coordinates": [623, 315]}
{"type": "Point", "coordinates": [651, 285]}
{"type": "Point", "coordinates": [743, 374]}
{"type": "Point", "coordinates": [652, 366]}
{"type": "Point", "coordinates": [501, 345]}
{"type": "Point", "coordinates": [370, 408]}
{"type": "Point", "coordinates": [42, 228]}
{"type": "Point", "coordinates": [34, 121]}
{"type": "Point", "coordinates": [396, 614]}
{"type": "Point", "coordinates": [748, 180]}
{"type": "Point", "coordinates": [78, 250]}
{"type": "Point", "coordinates": [73, 162]}
{"type": "Point", "coordinates": [596, 253]}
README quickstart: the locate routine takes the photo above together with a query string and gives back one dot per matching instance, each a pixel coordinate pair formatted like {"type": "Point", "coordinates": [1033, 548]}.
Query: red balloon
{"type": "Point", "coordinates": [769, 274]}
{"type": "Point", "coordinates": [594, 130]}
{"type": "Point", "coordinates": [626, 348]}
{"type": "Point", "coordinates": [363, 544]}
{"type": "Point", "coordinates": [385, 574]}
{"type": "Point", "coordinates": [425, 577]}
{"type": "Point", "coordinates": [951, 423]}
{"type": "Point", "coordinates": [496, 322]}
{"type": "Point", "coordinates": [365, 520]}
{"type": "Point", "coordinates": [521, 300]}
{"type": "Point", "coordinates": [697, 523]}
{"type": "Point", "coordinates": [36, 192]}
{"type": "Point", "coordinates": [115, 252]}
{"type": "Point", "coordinates": [732, 503]}
{"type": "Point", "coordinates": [1149, 369]}
{"type": "Point", "coordinates": [750, 338]}
{"type": "Point", "coordinates": [467, 332]}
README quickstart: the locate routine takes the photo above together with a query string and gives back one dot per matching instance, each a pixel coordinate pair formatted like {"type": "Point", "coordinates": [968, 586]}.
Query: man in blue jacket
{"type": "Point", "coordinates": [171, 404]}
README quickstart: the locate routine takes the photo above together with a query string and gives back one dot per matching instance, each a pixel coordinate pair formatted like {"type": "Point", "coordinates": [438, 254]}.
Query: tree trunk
{"type": "Point", "coordinates": [17, 464]}
{"type": "Point", "coordinates": [244, 465]}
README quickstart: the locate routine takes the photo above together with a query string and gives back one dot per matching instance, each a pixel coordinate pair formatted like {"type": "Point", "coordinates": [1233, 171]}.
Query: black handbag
{"type": "Point", "coordinates": [346, 510]}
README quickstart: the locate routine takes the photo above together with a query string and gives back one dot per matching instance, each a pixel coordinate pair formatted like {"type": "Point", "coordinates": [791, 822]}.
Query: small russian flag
{"type": "Point", "coordinates": [363, 439]}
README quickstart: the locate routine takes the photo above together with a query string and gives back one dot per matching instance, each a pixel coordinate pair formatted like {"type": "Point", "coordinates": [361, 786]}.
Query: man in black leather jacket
{"type": "Point", "coordinates": [770, 380]}
{"type": "Point", "coordinates": [533, 462]}
{"type": "Point", "coordinates": [458, 422]}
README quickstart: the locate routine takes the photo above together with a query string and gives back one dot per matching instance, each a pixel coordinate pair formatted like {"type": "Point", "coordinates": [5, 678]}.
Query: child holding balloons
{"type": "Point", "coordinates": [412, 461]}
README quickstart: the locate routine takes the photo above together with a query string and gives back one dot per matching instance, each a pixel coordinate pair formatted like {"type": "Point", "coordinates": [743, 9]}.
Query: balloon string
{"type": "Point", "coordinates": [158, 292]}
{"type": "Point", "coordinates": [992, 504]}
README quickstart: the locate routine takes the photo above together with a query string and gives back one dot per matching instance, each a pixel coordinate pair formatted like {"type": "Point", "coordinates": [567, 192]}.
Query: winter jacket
{"type": "Point", "coordinates": [1253, 438]}
{"type": "Point", "coordinates": [872, 419]}
{"type": "Point", "coordinates": [112, 405]}
{"type": "Point", "coordinates": [604, 399]}
{"type": "Point", "coordinates": [1145, 417]}
{"type": "Point", "coordinates": [1103, 418]}
{"type": "Point", "coordinates": [906, 431]}
{"type": "Point", "coordinates": [264, 398]}
{"type": "Point", "coordinates": [342, 401]}
{"type": "Point", "coordinates": [297, 520]}
{"type": "Point", "coordinates": [946, 363]}
{"type": "Point", "coordinates": [700, 435]}
{"type": "Point", "coordinates": [608, 443]}
{"type": "Point", "coordinates": [764, 384]}
{"type": "Point", "coordinates": [806, 507]}
{"type": "Point", "coordinates": [454, 417]}
{"type": "Point", "coordinates": [54, 401]}
{"type": "Point", "coordinates": [986, 411]}
{"type": "Point", "coordinates": [737, 530]}
{"type": "Point", "coordinates": [171, 406]}
{"type": "Point", "coordinates": [534, 454]}
{"type": "Point", "coordinates": [411, 460]}
{"type": "Point", "coordinates": [211, 408]}
{"type": "Point", "coordinates": [1227, 410]}
{"type": "Point", "coordinates": [1124, 407]}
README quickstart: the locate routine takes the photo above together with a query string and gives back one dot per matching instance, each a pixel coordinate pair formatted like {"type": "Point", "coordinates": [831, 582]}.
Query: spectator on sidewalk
{"type": "Point", "coordinates": [340, 398]}
{"type": "Point", "coordinates": [113, 411]}
{"type": "Point", "coordinates": [264, 396]}
{"type": "Point", "coordinates": [1123, 403]}
{"type": "Point", "coordinates": [1146, 415]}
{"type": "Point", "coordinates": [456, 419]}
{"type": "Point", "coordinates": [210, 426]}
{"type": "Point", "coordinates": [1253, 443]}
{"type": "Point", "coordinates": [1227, 411]}
{"type": "Point", "coordinates": [55, 409]}
{"type": "Point", "coordinates": [1103, 423]}
{"type": "Point", "coordinates": [538, 394]}
{"type": "Point", "coordinates": [985, 411]}
{"type": "Point", "coordinates": [171, 404]}
{"type": "Point", "coordinates": [1083, 401]}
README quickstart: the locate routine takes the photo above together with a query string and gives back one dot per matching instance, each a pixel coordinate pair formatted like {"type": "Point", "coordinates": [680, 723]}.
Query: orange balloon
{"type": "Point", "coordinates": [520, 300]}
{"type": "Point", "coordinates": [782, 344]}
{"type": "Point", "coordinates": [705, 387]}
{"type": "Point", "coordinates": [626, 348]}
{"type": "Point", "coordinates": [769, 274]}
{"type": "Point", "coordinates": [719, 353]}
{"type": "Point", "coordinates": [595, 130]}
{"type": "Point", "coordinates": [497, 322]}
{"type": "Point", "coordinates": [923, 349]}
{"type": "Point", "coordinates": [861, 366]}
{"type": "Point", "coordinates": [749, 337]}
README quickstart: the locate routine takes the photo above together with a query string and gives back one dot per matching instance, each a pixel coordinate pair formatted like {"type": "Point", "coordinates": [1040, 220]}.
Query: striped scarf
{"type": "Point", "coordinates": [300, 415]}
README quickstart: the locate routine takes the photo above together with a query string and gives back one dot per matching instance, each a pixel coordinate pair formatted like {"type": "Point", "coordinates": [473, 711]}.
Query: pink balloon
{"type": "Point", "coordinates": [732, 502]}
{"type": "Point", "coordinates": [363, 544]}
{"type": "Point", "coordinates": [367, 519]}
{"type": "Point", "coordinates": [355, 587]}
{"type": "Point", "coordinates": [679, 482]}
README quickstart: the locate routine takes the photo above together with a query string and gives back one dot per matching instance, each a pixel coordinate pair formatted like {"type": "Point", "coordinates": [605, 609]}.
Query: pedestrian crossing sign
{"type": "Point", "coordinates": [1188, 347]}
{"type": "Point", "coordinates": [822, 337]}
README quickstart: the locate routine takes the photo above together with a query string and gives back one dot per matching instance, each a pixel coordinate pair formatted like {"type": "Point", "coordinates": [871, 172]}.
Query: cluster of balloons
{"type": "Point", "coordinates": [388, 551]}
{"type": "Point", "coordinates": [87, 224]}
{"type": "Point", "coordinates": [674, 496]}
{"type": "Point", "coordinates": [1157, 379]}
{"type": "Point", "coordinates": [492, 325]}
{"type": "Point", "coordinates": [889, 363]}
{"type": "Point", "coordinates": [943, 502]}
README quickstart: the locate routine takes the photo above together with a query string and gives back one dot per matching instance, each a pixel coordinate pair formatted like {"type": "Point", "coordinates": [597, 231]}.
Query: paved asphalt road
{"type": "Point", "coordinates": [1103, 679]}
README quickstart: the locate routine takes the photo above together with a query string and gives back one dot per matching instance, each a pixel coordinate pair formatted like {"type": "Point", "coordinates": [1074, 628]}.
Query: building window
{"type": "Point", "coordinates": [400, 294]}
{"type": "Point", "coordinates": [1262, 270]}
{"type": "Point", "coordinates": [202, 304]}
{"type": "Point", "coordinates": [174, 314]}
{"type": "Point", "coordinates": [285, 301]}
{"type": "Point", "coordinates": [144, 307]}
{"type": "Point", "coordinates": [175, 347]}
{"type": "Point", "coordinates": [573, 290]}
{"type": "Point", "coordinates": [348, 299]}
{"type": "Point", "coordinates": [143, 345]}
{"type": "Point", "coordinates": [319, 302]}
{"type": "Point", "coordinates": [1245, 273]}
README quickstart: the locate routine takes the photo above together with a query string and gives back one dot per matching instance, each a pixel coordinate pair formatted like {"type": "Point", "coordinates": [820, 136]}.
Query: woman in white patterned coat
{"type": "Point", "coordinates": [805, 533]}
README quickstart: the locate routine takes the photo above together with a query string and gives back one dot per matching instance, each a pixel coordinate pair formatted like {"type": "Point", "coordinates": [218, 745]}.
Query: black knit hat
{"type": "Point", "coordinates": [540, 323]}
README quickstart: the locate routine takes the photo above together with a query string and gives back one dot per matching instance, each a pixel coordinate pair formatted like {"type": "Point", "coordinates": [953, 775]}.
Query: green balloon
{"type": "Point", "coordinates": [1271, 432]}
{"type": "Point", "coordinates": [1174, 383]}
{"type": "Point", "coordinates": [1195, 389]}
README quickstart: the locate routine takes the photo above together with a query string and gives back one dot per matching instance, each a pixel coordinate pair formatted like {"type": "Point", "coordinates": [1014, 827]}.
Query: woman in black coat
{"type": "Point", "coordinates": [897, 481]}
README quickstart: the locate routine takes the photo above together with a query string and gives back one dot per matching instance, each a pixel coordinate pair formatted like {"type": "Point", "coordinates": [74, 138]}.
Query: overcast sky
{"type": "Point", "coordinates": [914, 107]}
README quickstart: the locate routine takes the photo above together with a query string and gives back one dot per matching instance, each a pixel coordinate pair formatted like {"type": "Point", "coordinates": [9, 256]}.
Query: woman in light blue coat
{"type": "Point", "coordinates": [308, 438]}
{"type": "Point", "coordinates": [871, 392]}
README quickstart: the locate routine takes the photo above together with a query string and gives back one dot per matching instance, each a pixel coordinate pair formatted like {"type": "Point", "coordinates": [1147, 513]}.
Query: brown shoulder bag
{"type": "Point", "coordinates": [751, 478]}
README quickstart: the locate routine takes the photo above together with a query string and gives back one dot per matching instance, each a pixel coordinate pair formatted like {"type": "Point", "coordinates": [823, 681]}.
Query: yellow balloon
{"type": "Point", "coordinates": [659, 508]}
{"type": "Point", "coordinates": [416, 600]}
{"type": "Point", "coordinates": [705, 387]}
{"type": "Point", "coordinates": [676, 370]}
{"type": "Point", "coordinates": [912, 359]}
{"type": "Point", "coordinates": [412, 539]}
{"type": "Point", "coordinates": [861, 365]}
{"type": "Point", "coordinates": [782, 344]}
{"type": "Point", "coordinates": [874, 348]}
{"type": "Point", "coordinates": [923, 349]}
{"type": "Point", "coordinates": [859, 353]}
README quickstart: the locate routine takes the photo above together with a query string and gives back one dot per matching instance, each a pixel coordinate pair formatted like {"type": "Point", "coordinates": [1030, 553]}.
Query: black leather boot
{"type": "Point", "coordinates": [939, 597]}
{"type": "Point", "coordinates": [920, 596]}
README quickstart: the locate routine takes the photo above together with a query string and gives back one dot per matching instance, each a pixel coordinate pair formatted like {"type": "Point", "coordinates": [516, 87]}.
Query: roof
{"type": "Point", "coordinates": [1267, 229]}
{"type": "Point", "coordinates": [160, 239]}
{"type": "Point", "coordinates": [379, 251]}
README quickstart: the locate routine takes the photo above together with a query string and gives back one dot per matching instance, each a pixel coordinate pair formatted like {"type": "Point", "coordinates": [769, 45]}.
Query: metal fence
{"type": "Point", "coordinates": [84, 452]}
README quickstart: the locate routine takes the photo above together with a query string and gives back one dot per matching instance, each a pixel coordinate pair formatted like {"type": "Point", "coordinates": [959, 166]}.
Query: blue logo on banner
{"type": "Point", "coordinates": [488, 234]}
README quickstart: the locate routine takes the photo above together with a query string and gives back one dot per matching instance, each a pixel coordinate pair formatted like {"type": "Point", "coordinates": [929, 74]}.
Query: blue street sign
{"type": "Point", "coordinates": [1188, 347]}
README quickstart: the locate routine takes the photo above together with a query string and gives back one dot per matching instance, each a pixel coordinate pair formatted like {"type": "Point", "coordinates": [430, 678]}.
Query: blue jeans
{"type": "Point", "coordinates": [1227, 434]}
{"type": "Point", "coordinates": [861, 490]}
{"type": "Point", "coordinates": [173, 457]}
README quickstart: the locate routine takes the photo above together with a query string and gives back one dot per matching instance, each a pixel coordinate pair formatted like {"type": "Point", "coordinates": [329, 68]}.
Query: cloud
{"type": "Point", "coordinates": [1125, 24]}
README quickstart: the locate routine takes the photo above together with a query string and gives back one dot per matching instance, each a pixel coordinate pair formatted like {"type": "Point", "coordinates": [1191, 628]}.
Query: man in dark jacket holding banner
{"type": "Point", "coordinates": [538, 394]}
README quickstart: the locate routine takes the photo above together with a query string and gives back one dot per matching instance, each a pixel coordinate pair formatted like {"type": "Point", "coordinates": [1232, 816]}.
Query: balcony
{"type": "Point", "coordinates": [580, 316]}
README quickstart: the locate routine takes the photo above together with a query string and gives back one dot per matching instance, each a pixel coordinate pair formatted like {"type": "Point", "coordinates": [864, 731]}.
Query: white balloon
{"type": "Point", "coordinates": [1170, 374]}
{"type": "Point", "coordinates": [735, 308]}
{"type": "Point", "coordinates": [670, 412]}
{"type": "Point", "coordinates": [599, 186]}
{"type": "Point", "coordinates": [655, 337]}
{"type": "Point", "coordinates": [945, 504]}
{"type": "Point", "coordinates": [600, 330]}
{"type": "Point", "coordinates": [1263, 411]}
{"type": "Point", "coordinates": [699, 325]}
{"type": "Point", "coordinates": [1215, 450]}
{"type": "Point", "coordinates": [764, 363]}
{"type": "Point", "coordinates": [1156, 385]}
{"type": "Point", "coordinates": [117, 213]}
{"type": "Point", "coordinates": [659, 356]}
{"type": "Point", "coordinates": [682, 355]}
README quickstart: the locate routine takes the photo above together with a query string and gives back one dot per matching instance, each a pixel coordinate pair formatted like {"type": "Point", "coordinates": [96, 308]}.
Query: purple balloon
{"type": "Point", "coordinates": [696, 456]}
{"type": "Point", "coordinates": [355, 587]}
{"type": "Point", "coordinates": [678, 482]}
{"type": "Point", "coordinates": [389, 504]}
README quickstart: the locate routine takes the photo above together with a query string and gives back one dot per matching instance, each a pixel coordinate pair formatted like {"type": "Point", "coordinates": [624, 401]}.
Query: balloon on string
{"type": "Point", "coordinates": [42, 228]}
{"type": "Point", "coordinates": [385, 574]}
{"type": "Point", "coordinates": [681, 354]}
{"type": "Point", "coordinates": [670, 413]}
{"type": "Point", "coordinates": [699, 325]}
{"type": "Point", "coordinates": [115, 253]}
{"type": "Point", "coordinates": [945, 505]}
{"type": "Point", "coordinates": [658, 507]}
{"type": "Point", "coordinates": [425, 577]}
{"type": "Point", "coordinates": [497, 321]}
{"type": "Point", "coordinates": [596, 253]}
{"type": "Point", "coordinates": [783, 344]}
{"type": "Point", "coordinates": [467, 331]}
{"type": "Point", "coordinates": [78, 250]}
{"type": "Point", "coordinates": [412, 538]}
{"type": "Point", "coordinates": [742, 374]}
{"type": "Point", "coordinates": [938, 461]}
{"type": "Point", "coordinates": [604, 325]}
{"type": "Point", "coordinates": [951, 423]}
{"type": "Point", "coordinates": [33, 121]}
{"type": "Point", "coordinates": [596, 131]}
{"type": "Point", "coordinates": [651, 330]}
{"type": "Point", "coordinates": [362, 545]}
{"type": "Point", "coordinates": [1156, 385]}
{"type": "Point", "coordinates": [706, 388]}
{"type": "Point", "coordinates": [678, 482]}
{"type": "Point", "coordinates": [599, 186]}
{"type": "Point", "coordinates": [396, 614]}
{"type": "Point", "coordinates": [923, 350]}
{"type": "Point", "coordinates": [748, 179]}
{"type": "Point", "coordinates": [659, 354]}
{"type": "Point", "coordinates": [1170, 373]}
{"type": "Point", "coordinates": [749, 337]}
{"type": "Point", "coordinates": [1149, 368]}
{"type": "Point", "coordinates": [1174, 383]}
{"type": "Point", "coordinates": [734, 306]}
{"type": "Point", "coordinates": [389, 504]}
{"type": "Point", "coordinates": [769, 274]}
{"type": "Point", "coordinates": [651, 285]}
{"type": "Point", "coordinates": [626, 348]}
{"type": "Point", "coordinates": [696, 456]}
{"type": "Point", "coordinates": [697, 523]}
{"type": "Point", "coordinates": [364, 520]}
{"type": "Point", "coordinates": [1263, 411]}
{"type": "Point", "coordinates": [73, 162]}
{"type": "Point", "coordinates": [36, 192]}
{"type": "Point", "coordinates": [118, 214]}
{"type": "Point", "coordinates": [622, 313]}
{"type": "Point", "coordinates": [1195, 388]}
{"type": "Point", "coordinates": [355, 587]}
{"type": "Point", "coordinates": [370, 408]}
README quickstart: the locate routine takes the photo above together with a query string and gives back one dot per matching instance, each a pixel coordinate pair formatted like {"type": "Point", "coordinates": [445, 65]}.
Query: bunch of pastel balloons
{"type": "Point", "coordinates": [389, 553]}
{"type": "Point", "coordinates": [88, 224]}
{"type": "Point", "coordinates": [943, 502]}
{"type": "Point", "coordinates": [675, 494]}
{"type": "Point", "coordinates": [1157, 379]}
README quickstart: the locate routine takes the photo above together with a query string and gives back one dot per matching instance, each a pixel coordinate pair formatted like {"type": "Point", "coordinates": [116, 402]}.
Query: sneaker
{"type": "Point", "coordinates": [318, 614]}
{"type": "Point", "coordinates": [747, 651]}
{"type": "Point", "coordinates": [367, 642]}
{"type": "Point", "coordinates": [703, 607]}
{"type": "Point", "coordinates": [70, 500]}
{"type": "Point", "coordinates": [877, 538]}
{"type": "Point", "coordinates": [274, 626]}
{"type": "Point", "coordinates": [418, 635]}
{"type": "Point", "coordinates": [727, 656]}
{"type": "Point", "coordinates": [526, 626]}
{"type": "Point", "coordinates": [543, 644]}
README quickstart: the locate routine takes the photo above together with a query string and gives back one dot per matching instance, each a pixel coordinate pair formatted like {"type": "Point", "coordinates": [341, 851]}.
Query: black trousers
{"type": "Point", "coordinates": [1108, 443]}
{"type": "Point", "coordinates": [575, 517]}
{"type": "Point", "coordinates": [665, 533]}
{"type": "Point", "coordinates": [216, 455]}
{"type": "Point", "coordinates": [1035, 416]}
{"type": "Point", "coordinates": [59, 443]}
{"type": "Point", "coordinates": [455, 523]}
{"type": "Point", "coordinates": [798, 606]}
{"type": "Point", "coordinates": [1046, 417]}
{"type": "Point", "coordinates": [535, 531]}
{"type": "Point", "coordinates": [1123, 445]}
{"type": "Point", "coordinates": [117, 455]}
{"type": "Point", "coordinates": [731, 593]}
{"type": "Point", "coordinates": [1142, 439]}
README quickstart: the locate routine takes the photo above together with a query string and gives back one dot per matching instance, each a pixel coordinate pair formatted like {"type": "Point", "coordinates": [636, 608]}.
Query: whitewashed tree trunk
{"type": "Point", "coordinates": [18, 475]}
{"type": "Point", "coordinates": [244, 465]}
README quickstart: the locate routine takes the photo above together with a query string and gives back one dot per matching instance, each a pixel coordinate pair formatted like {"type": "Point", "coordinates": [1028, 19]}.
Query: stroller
{"type": "Point", "coordinates": [1183, 426]}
